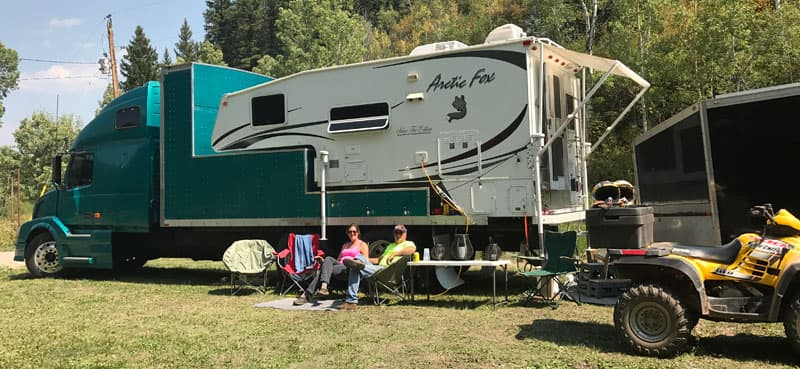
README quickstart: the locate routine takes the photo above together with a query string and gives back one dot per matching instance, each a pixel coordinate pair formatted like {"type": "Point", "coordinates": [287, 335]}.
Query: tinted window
{"type": "Point", "coordinates": [79, 171]}
{"type": "Point", "coordinates": [268, 110]}
{"type": "Point", "coordinates": [127, 118]}
{"type": "Point", "coordinates": [359, 118]}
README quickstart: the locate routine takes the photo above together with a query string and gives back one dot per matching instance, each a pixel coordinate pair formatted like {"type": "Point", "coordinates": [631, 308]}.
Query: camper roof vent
{"type": "Point", "coordinates": [437, 47]}
{"type": "Point", "coordinates": [504, 33]}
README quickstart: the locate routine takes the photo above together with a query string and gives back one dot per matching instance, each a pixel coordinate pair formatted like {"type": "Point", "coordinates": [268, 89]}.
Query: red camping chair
{"type": "Point", "coordinates": [299, 268]}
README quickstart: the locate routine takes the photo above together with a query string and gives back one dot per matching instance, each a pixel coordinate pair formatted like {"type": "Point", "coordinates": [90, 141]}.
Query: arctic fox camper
{"type": "Point", "coordinates": [703, 168]}
{"type": "Point", "coordinates": [450, 139]}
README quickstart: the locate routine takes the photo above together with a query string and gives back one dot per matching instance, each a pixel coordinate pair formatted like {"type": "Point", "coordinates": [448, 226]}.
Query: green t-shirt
{"type": "Point", "coordinates": [392, 247]}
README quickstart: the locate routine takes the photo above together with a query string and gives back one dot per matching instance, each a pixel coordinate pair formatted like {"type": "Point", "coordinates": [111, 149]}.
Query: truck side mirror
{"type": "Point", "coordinates": [57, 171]}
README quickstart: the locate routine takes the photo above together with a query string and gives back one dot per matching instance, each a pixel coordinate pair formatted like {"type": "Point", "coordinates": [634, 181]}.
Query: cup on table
{"type": "Point", "coordinates": [426, 254]}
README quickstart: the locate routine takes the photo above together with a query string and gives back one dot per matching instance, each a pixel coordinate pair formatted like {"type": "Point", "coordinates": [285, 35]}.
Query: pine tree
{"type": "Point", "coordinates": [243, 29]}
{"type": "Point", "coordinates": [186, 50]}
{"type": "Point", "coordinates": [140, 65]}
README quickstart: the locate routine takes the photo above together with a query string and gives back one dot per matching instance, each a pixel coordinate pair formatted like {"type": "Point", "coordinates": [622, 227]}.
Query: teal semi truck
{"type": "Point", "coordinates": [449, 139]}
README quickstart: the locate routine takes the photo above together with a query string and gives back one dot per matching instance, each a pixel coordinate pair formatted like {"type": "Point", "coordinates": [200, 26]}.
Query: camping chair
{"type": "Point", "coordinates": [248, 261]}
{"type": "Point", "coordinates": [298, 261]}
{"type": "Point", "coordinates": [559, 260]}
{"type": "Point", "coordinates": [391, 279]}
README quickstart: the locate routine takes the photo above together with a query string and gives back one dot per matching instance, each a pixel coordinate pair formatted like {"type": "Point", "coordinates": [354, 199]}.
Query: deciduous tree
{"type": "Point", "coordinates": [38, 138]}
{"type": "Point", "coordinates": [9, 75]}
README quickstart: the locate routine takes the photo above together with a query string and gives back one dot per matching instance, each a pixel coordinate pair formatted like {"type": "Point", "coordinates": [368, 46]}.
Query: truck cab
{"type": "Point", "coordinates": [110, 185]}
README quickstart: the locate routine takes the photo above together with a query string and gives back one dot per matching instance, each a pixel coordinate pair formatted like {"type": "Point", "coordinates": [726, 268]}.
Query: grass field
{"type": "Point", "coordinates": [179, 314]}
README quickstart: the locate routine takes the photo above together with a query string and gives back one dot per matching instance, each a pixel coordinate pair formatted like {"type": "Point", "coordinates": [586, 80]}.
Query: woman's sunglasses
{"type": "Point", "coordinates": [352, 232]}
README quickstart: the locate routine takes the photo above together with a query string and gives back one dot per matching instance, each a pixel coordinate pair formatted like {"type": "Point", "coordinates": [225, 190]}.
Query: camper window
{"type": "Point", "coordinates": [127, 118]}
{"type": "Point", "coordinates": [79, 172]}
{"type": "Point", "coordinates": [354, 118]}
{"type": "Point", "coordinates": [266, 110]}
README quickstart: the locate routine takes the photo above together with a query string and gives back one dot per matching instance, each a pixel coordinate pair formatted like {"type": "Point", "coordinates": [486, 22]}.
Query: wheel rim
{"type": "Point", "coordinates": [650, 322]}
{"type": "Point", "coordinates": [46, 258]}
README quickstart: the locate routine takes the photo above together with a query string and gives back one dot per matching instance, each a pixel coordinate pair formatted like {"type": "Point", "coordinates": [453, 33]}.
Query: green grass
{"type": "Point", "coordinates": [178, 314]}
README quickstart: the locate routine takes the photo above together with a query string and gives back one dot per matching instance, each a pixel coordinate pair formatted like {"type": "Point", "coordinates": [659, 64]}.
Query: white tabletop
{"type": "Point", "coordinates": [494, 263]}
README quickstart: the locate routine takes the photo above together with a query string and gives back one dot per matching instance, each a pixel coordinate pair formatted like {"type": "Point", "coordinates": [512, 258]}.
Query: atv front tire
{"type": "Point", "coordinates": [652, 321]}
{"type": "Point", "coordinates": [791, 322]}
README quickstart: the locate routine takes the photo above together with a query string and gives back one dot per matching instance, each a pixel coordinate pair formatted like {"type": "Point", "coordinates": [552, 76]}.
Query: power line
{"type": "Point", "coordinates": [55, 61]}
{"type": "Point", "coordinates": [64, 77]}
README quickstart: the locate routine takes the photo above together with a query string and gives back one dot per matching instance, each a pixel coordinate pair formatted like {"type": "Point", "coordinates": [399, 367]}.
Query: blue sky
{"type": "Point", "coordinates": [76, 31]}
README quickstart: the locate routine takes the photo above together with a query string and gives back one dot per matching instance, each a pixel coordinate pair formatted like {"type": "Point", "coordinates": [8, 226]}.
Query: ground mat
{"type": "Point", "coordinates": [286, 304]}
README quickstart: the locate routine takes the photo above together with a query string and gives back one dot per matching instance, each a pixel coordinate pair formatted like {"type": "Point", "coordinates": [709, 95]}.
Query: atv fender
{"type": "Point", "coordinates": [623, 268]}
{"type": "Point", "coordinates": [781, 289]}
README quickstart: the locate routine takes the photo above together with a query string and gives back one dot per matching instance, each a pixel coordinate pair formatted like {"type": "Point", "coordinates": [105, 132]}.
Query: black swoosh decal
{"type": "Point", "coordinates": [512, 57]}
{"type": "Point", "coordinates": [242, 144]}
{"type": "Point", "coordinates": [259, 133]}
{"type": "Point", "coordinates": [492, 142]}
{"type": "Point", "coordinates": [226, 134]}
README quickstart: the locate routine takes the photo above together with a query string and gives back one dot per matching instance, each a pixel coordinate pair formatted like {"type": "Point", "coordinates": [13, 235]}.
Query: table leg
{"type": "Point", "coordinates": [428, 282]}
{"type": "Point", "coordinates": [411, 269]}
{"type": "Point", "coordinates": [494, 286]}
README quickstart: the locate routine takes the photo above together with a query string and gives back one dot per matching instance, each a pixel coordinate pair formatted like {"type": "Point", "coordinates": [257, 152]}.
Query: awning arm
{"type": "Point", "coordinates": [563, 125]}
{"type": "Point", "coordinates": [616, 121]}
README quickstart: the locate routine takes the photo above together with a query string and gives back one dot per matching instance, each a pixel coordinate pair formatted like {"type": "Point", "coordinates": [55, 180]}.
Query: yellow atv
{"type": "Point", "coordinates": [754, 278]}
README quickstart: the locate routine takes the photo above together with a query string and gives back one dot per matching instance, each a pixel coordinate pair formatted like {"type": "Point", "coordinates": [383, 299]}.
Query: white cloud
{"type": "Point", "coordinates": [64, 79]}
{"type": "Point", "coordinates": [65, 22]}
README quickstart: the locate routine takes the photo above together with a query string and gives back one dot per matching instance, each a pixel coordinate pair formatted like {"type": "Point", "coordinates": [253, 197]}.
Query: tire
{"type": "Point", "coordinates": [791, 322]}
{"type": "Point", "coordinates": [377, 247]}
{"type": "Point", "coordinates": [652, 321]}
{"type": "Point", "coordinates": [42, 256]}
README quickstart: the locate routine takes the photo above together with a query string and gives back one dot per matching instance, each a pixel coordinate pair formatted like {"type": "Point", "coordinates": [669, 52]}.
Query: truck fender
{"type": "Point", "coordinates": [51, 225]}
{"type": "Point", "coordinates": [679, 265]}
{"type": "Point", "coordinates": [781, 289]}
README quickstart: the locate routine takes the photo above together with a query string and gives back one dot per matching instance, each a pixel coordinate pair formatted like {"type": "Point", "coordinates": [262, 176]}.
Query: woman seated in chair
{"type": "Point", "coordinates": [332, 267]}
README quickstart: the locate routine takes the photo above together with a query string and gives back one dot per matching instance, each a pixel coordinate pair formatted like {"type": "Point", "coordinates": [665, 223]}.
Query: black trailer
{"type": "Point", "coordinates": [702, 169]}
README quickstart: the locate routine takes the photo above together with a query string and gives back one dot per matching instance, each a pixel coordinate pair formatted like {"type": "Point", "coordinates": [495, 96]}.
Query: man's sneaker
{"type": "Point", "coordinates": [323, 291]}
{"type": "Point", "coordinates": [348, 306]}
{"type": "Point", "coordinates": [300, 300]}
{"type": "Point", "coordinates": [354, 264]}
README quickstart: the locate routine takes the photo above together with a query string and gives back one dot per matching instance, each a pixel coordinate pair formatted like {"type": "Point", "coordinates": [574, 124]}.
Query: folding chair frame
{"type": "Point", "coordinates": [399, 289]}
{"type": "Point", "coordinates": [248, 281]}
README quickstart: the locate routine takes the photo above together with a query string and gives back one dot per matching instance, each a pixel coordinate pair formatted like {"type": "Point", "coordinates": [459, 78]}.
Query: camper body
{"type": "Point", "coordinates": [462, 140]}
{"type": "Point", "coordinates": [702, 169]}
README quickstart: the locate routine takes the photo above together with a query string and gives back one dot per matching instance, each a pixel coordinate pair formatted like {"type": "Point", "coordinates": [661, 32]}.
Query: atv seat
{"type": "Point", "coordinates": [724, 254]}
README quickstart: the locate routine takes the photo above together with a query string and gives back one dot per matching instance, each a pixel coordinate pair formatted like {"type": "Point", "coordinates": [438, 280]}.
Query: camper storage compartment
{"type": "Point", "coordinates": [620, 227]}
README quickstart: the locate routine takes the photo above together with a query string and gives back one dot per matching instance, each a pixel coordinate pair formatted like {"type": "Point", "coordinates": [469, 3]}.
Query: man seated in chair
{"type": "Point", "coordinates": [362, 267]}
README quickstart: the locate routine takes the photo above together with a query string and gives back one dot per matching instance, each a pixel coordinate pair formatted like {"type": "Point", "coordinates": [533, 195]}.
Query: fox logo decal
{"type": "Point", "coordinates": [461, 109]}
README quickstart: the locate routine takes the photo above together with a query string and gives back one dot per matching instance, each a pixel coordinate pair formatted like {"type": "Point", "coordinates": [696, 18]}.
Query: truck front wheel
{"type": "Point", "coordinates": [42, 257]}
{"type": "Point", "coordinates": [652, 321]}
{"type": "Point", "coordinates": [791, 322]}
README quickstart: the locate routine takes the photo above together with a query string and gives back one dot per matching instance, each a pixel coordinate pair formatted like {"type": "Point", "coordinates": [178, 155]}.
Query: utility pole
{"type": "Point", "coordinates": [113, 56]}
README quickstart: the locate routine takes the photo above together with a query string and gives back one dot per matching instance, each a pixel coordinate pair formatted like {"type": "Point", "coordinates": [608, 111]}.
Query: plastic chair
{"type": "Point", "coordinates": [391, 279]}
{"type": "Point", "coordinates": [560, 260]}
{"type": "Point", "coordinates": [248, 261]}
{"type": "Point", "coordinates": [298, 261]}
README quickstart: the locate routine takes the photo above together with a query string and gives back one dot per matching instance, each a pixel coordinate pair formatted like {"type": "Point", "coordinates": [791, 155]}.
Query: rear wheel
{"type": "Point", "coordinates": [42, 256]}
{"type": "Point", "coordinates": [791, 322]}
{"type": "Point", "coordinates": [652, 321]}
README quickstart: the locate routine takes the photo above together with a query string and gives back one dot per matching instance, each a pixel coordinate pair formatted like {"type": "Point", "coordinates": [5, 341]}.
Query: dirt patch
{"type": "Point", "coordinates": [7, 259]}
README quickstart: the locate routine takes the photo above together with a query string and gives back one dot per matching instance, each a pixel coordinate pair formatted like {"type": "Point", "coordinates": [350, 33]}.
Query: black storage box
{"type": "Point", "coordinates": [600, 288]}
{"type": "Point", "coordinates": [620, 227]}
